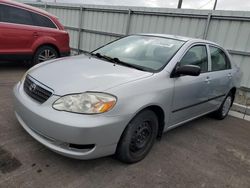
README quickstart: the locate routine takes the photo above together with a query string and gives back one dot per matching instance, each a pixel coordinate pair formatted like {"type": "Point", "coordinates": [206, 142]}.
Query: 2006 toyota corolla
{"type": "Point", "coordinates": [121, 97]}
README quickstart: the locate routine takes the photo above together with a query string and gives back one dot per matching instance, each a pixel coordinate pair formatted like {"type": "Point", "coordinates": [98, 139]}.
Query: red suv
{"type": "Point", "coordinates": [28, 33]}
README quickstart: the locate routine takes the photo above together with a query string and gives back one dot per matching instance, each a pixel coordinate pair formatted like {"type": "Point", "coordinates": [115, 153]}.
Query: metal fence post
{"type": "Point", "coordinates": [215, 4]}
{"type": "Point", "coordinates": [128, 21]}
{"type": "Point", "coordinates": [179, 4]}
{"type": "Point", "coordinates": [209, 16]}
{"type": "Point", "coordinates": [45, 6]}
{"type": "Point", "coordinates": [80, 30]}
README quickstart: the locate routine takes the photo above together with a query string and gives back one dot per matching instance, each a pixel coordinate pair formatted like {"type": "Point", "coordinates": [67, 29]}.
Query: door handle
{"type": "Point", "coordinates": [207, 80]}
{"type": "Point", "coordinates": [35, 34]}
{"type": "Point", "coordinates": [229, 75]}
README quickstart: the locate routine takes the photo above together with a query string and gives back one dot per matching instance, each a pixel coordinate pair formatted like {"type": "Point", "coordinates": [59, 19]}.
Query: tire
{"type": "Point", "coordinates": [138, 137]}
{"type": "Point", "coordinates": [45, 53]}
{"type": "Point", "coordinates": [222, 112]}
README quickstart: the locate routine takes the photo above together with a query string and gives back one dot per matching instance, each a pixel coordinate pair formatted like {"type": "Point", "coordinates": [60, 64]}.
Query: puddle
{"type": "Point", "coordinates": [8, 162]}
{"type": "Point", "coordinates": [34, 164]}
{"type": "Point", "coordinates": [240, 155]}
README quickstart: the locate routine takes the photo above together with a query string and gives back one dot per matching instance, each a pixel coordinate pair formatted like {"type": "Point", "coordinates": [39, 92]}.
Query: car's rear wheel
{"type": "Point", "coordinates": [45, 53]}
{"type": "Point", "coordinates": [138, 137]}
{"type": "Point", "coordinates": [222, 112]}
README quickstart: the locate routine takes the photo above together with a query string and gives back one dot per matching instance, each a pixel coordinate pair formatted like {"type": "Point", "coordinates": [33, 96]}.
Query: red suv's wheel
{"type": "Point", "coordinates": [45, 53]}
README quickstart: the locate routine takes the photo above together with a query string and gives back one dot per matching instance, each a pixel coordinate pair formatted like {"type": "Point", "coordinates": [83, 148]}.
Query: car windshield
{"type": "Point", "coordinates": [150, 53]}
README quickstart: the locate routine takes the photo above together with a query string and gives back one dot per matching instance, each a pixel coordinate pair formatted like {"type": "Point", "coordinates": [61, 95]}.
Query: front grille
{"type": "Point", "coordinates": [35, 91]}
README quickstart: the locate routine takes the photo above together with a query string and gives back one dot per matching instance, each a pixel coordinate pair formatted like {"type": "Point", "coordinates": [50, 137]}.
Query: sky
{"type": "Point", "coordinates": [190, 4]}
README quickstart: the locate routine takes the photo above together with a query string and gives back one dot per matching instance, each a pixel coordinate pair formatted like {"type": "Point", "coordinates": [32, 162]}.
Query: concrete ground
{"type": "Point", "coordinates": [203, 153]}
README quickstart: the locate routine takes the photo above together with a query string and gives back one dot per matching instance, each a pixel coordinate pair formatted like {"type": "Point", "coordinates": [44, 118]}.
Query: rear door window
{"type": "Point", "coordinates": [42, 21]}
{"type": "Point", "coordinates": [219, 59]}
{"type": "Point", "coordinates": [11, 14]}
{"type": "Point", "coordinates": [1, 12]}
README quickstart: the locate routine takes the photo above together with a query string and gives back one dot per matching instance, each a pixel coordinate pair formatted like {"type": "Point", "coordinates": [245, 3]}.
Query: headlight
{"type": "Point", "coordinates": [86, 103]}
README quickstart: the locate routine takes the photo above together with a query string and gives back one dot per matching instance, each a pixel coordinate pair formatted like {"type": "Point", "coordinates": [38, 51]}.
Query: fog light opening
{"type": "Point", "coordinates": [77, 146]}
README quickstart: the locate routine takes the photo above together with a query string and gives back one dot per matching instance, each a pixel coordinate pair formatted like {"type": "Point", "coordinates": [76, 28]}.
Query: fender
{"type": "Point", "coordinates": [138, 95]}
{"type": "Point", "coordinates": [43, 40]}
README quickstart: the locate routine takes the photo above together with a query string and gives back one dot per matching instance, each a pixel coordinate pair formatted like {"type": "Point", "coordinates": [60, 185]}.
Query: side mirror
{"type": "Point", "coordinates": [190, 70]}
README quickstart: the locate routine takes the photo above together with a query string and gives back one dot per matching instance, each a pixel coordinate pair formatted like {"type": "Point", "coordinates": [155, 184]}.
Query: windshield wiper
{"type": "Point", "coordinates": [103, 57]}
{"type": "Point", "coordinates": [116, 60]}
{"type": "Point", "coordinates": [138, 67]}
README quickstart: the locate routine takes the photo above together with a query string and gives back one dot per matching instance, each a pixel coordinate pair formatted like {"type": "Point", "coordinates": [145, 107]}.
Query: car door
{"type": "Point", "coordinates": [191, 92]}
{"type": "Point", "coordinates": [220, 76]}
{"type": "Point", "coordinates": [16, 33]}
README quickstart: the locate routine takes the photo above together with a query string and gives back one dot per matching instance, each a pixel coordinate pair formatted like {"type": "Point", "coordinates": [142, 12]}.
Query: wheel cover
{"type": "Point", "coordinates": [141, 137]}
{"type": "Point", "coordinates": [46, 55]}
{"type": "Point", "coordinates": [226, 105]}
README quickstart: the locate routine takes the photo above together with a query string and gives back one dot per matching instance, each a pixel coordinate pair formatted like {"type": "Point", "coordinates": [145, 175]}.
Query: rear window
{"type": "Point", "coordinates": [1, 12]}
{"type": "Point", "coordinates": [42, 21]}
{"type": "Point", "coordinates": [11, 14]}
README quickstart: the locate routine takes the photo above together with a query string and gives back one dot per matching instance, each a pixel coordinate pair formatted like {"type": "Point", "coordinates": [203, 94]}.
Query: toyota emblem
{"type": "Point", "coordinates": [32, 87]}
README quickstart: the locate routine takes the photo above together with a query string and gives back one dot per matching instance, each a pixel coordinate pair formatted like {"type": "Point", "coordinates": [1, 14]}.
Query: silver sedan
{"type": "Point", "coordinates": [119, 98]}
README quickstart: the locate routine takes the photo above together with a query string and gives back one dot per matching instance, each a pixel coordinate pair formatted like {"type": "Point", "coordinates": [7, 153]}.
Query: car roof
{"type": "Point", "coordinates": [177, 37]}
{"type": "Point", "coordinates": [10, 2]}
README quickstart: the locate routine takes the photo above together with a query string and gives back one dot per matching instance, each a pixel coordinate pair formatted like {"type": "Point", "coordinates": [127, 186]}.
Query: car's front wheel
{"type": "Point", "coordinates": [138, 137]}
{"type": "Point", "coordinates": [45, 53]}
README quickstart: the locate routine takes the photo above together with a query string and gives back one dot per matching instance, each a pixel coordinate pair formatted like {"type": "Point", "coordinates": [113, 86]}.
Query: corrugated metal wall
{"type": "Point", "coordinates": [102, 24]}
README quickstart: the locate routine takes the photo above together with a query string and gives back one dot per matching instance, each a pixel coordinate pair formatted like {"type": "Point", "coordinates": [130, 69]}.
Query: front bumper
{"type": "Point", "coordinates": [56, 130]}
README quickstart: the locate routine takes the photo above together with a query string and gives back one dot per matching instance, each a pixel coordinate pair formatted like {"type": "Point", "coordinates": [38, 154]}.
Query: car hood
{"type": "Point", "coordinates": [83, 73]}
